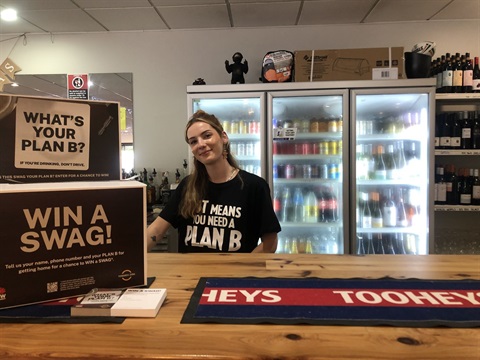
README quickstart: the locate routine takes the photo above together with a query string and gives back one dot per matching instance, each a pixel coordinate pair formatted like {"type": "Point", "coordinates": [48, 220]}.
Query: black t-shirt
{"type": "Point", "coordinates": [233, 218]}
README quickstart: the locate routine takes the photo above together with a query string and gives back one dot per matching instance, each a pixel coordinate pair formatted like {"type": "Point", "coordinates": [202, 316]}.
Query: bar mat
{"type": "Point", "coordinates": [353, 302]}
{"type": "Point", "coordinates": [56, 311]}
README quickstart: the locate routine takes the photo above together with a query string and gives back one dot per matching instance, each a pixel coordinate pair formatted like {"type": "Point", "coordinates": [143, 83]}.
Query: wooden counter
{"type": "Point", "coordinates": [165, 338]}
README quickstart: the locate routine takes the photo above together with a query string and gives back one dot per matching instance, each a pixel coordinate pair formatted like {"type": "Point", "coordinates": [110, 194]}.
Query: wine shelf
{"type": "Point", "coordinates": [456, 208]}
{"type": "Point", "coordinates": [463, 152]}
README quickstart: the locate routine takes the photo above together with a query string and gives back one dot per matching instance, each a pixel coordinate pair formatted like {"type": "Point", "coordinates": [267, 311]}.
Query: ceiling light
{"type": "Point", "coordinates": [8, 14]}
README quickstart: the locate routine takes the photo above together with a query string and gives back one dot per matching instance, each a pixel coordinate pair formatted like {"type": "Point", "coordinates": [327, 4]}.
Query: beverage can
{"type": "Point", "coordinates": [305, 126]}
{"type": "Point", "coordinates": [298, 171]}
{"type": "Point", "coordinates": [306, 148]}
{"type": "Point", "coordinates": [315, 171]}
{"type": "Point", "coordinates": [252, 127]}
{"type": "Point", "coordinates": [314, 123]}
{"type": "Point", "coordinates": [226, 126]}
{"type": "Point", "coordinates": [234, 148]}
{"type": "Point", "coordinates": [234, 127]}
{"type": "Point", "coordinates": [241, 149]}
{"type": "Point", "coordinates": [242, 127]}
{"type": "Point", "coordinates": [332, 147]}
{"type": "Point", "coordinates": [249, 149]}
{"type": "Point", "coordinates": [281, 171]}
{"type": "Point", "coordinates": [315, 148]}
{"type": "Point", "coordinates": [332, 171]}
{"type": "Point", "coordinates": [307, 171]}
{"type": "Point", "coordinates": [323, 171]}
{"type": "Point", "coordinates": [332, 126]}
{"type": "Point", "coordinates": [289, 171]}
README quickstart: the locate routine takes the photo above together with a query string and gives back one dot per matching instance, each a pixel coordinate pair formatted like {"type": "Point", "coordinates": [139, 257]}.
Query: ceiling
{"type": "Point", "coordinates": [81, 16]}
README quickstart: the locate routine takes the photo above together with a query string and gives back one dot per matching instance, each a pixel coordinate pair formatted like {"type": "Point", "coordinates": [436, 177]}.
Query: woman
{"type": "Point", "coordinates": [218, 208]}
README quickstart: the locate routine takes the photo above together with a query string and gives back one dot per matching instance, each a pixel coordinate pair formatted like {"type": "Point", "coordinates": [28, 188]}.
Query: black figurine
{"type": "Point", "coordinates": [237, 69]}
{"type": "Point", "coordinates": [199, 81]}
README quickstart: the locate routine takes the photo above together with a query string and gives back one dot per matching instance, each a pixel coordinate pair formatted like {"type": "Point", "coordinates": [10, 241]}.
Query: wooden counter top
{"type": "Point", "coordinates": [165, 338]}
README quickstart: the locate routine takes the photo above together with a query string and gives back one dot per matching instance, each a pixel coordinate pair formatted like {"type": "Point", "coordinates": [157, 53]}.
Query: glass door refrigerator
{"type": "Point", "coordinates": [392, 163]}
{"type": "Point", "coordinates": [306, 158]}
{"type": "Point", "coordinates": [243, 118]}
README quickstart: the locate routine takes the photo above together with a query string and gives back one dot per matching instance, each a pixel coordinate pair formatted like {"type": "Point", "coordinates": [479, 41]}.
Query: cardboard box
{"type": "Point", "coordinates": [345, 64]}
{"type": "Point", "coordinates": [49, 140]}
{"type": "Point", "coordinates": [64, 239]}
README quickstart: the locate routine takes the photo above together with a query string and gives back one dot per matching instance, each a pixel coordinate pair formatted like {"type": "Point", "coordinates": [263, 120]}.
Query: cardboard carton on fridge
{"type": "Point", "coordinates": [347, 64]}
{"type": "Point", "coordinates": [63, 239]}
{"type": "Point", "coordinates": [51, 140]}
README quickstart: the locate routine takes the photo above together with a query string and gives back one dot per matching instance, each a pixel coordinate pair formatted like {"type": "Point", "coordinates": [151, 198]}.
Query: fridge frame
{"type": "Point", "coordinates": [263, 90]}
{"type": "Point", "coordinates": [430, 91]}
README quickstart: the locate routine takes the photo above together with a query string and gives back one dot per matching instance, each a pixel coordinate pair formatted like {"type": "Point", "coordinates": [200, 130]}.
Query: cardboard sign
{"type": "Point", "coordinates": [63, 239]}
{"type": "Point", "coordinates": [50, 140]}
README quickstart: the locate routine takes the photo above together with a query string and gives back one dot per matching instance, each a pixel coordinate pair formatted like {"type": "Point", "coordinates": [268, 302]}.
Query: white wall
{"type": "Point", "coordinates": [163, 63]}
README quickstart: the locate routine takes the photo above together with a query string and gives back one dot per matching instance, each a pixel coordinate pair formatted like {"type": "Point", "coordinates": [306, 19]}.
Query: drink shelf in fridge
{"type": "Point", "coordinates": [313, 225]}
{"type": "Point", "coordinates": [463, 152]}
{"type": "Point", "coordinates": [302, 181]}
{"type": "Point", "coordinates": [390, 230]}
{"type": "Point", "coordinates": [457, 208]}
{"type": "Point", "coordinates": [290, 157]}
{"type": "Point", "coordinates": [318, 135]}
{"type": "Point", "coordinates": [234, 137]}
{"type": "Point", "coordinates": [406, 182]}
{"type": "Point", "coordinates": [406, 135]}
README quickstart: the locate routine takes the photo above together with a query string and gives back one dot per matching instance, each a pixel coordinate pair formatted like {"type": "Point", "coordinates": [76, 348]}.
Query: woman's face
{"type": "Point", "coordinates": [205, 142]}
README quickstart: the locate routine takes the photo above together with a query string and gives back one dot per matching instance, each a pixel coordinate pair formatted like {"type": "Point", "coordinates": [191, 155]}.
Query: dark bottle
{"type": "Point", "coordinates": [475, 188]}
{"type": "Point", "coordinates": [437, 132]}
{"type": "Point", "coordinates": [451, 180]}
{"type": "Point", "coordinates": [445, 131]}
{"type": "Point", "coordinates": [378, 244]}
{"type": "Point", "coordinates": [457, 80]}
{"type": "Point", "coordinates": [466, 141]}
{"type": "Point", "coordinates": [476, 76]}
{"type": "Point", "coordinates": [447, 75]}
{"type": "Point", "coordinates": [456, 119]}
{"type": "Point", "coordinates": [475, 130]}
{"type": "Point", "coordinates": [388, 244]}
{"type": "Point", "coordinates": [466, 189]}
{"type": "Point", "coordinates": [440, 75]}
{"type": "Point", "coordinates": [400, 244]}
{"type": "Point", "coordinates": [331, 209]}
{"type": "Point", "coordinates": [467, 74]}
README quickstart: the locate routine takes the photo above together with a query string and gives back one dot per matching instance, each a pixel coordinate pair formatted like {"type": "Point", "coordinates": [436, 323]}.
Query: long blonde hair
{"type": "Point", "coordinates": [196, 188]}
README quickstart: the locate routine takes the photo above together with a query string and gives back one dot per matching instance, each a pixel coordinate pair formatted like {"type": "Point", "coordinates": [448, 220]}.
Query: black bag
{"type": "Point", "coordinates": [277, 66]}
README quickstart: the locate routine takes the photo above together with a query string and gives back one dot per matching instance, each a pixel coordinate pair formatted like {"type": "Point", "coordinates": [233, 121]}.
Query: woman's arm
{"type": "Point", "coordinates": [268, 244]}
{"type": "Point", "coordinates": [156, 230]}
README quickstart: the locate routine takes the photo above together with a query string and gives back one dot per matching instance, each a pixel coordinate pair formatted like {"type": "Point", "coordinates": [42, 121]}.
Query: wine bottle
{"type": "Point", "coordinates": [388, 244]}
{"type": "Point", "coordinates": [440, 186]}
{"type": "Point", "coordinates": [475, 130]}
{"type": "Point", "coordinates": [438, 74]}
{"type": "Point", "coordinates": [413, 207]}
{"type": "Point", "coordinates": [466, 141]}
{"type": "Point", "coordinates": [377, 216]}
{"type": "Point", "coordinates": [401, 161]}
{"type": "Point", "coordinates": [402, 220]}
{"type": "Point", "coordinates": [390, 164]}
{"type": "Point", "coordinates": [389, 210]}
{"type": "Point", "coordinates": [445, 131]}
{"type": "Point", "coordinates": [447, 75]}
{"type": "Point", "coordinates": [466, 189]}
{"type": "Point", "coordinates": [467, 74]}
{"type": "Point", "coordinates": [452, 185]}
{"type": "Point", "coordinates": [378, 244]}
{"type": "Point", "coordinates": [380, 167]}
{"type": "Point", "coordinates": [457, 74]}
{"type": "Point", "coordinates": [456, 119]}
{"type": "Point", "coordinates": [476, 76]}
{"type": "Point", "coordinates": [366, 212]}
{"type": "Point", "coordinates": [475, 188]}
